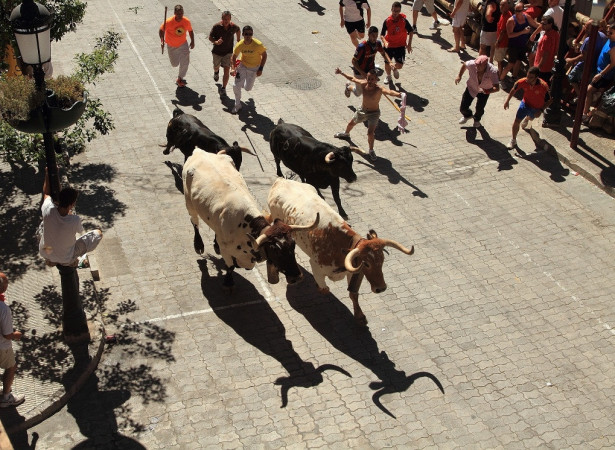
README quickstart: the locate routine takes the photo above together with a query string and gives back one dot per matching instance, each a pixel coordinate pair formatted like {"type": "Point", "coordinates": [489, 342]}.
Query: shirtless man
{"type": "Point", "coordinates": [370, 107]}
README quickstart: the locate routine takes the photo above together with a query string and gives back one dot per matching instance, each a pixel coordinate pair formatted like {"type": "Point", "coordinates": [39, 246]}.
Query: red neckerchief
{"type": "Point", "coordinates": [2, 298]}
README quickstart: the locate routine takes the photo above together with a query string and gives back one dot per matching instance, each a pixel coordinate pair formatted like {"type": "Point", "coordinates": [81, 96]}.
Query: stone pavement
{"type": "Point", "coordinates": [496, 333]}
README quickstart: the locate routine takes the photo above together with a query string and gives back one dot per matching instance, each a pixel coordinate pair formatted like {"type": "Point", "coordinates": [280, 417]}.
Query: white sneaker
{"type": "Point", "coordinates": [526, 123]}
{"type": "Point", "coordinates": [396, 73]}
{"type": "Point", "coordinates": [388, 79]}
{"type": "Point", "coordinates": [236, 108]}
{"type": "Point", "coordinates": [477, 124]}
{"type": "Point", "coordinates": [464, 120]}
{"type": "Point", "coordinates": [434, 25]}
{"type": "Point", "coordinates": [341, 135]}
{"type": "Point", "coordinates": [12, 400]}
{"type": "Point", "coordinates": [511, 144]}
{"type": "Point", "coordinates": [347, 90]}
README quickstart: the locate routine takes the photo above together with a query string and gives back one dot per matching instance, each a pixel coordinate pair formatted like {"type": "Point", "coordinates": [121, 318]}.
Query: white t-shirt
{"type": "Point", "coordinates": [351, 11]}
{"type": "Point", "coordinates": [58, 240]}
{"type": "Point", "coordinates": [558, 14]}
{"type": "Point", "coordinates": [6, 326]}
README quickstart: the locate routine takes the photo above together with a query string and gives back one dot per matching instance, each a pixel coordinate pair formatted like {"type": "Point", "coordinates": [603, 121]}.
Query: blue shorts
{"type": "Point", "coordinates": [525, 111]}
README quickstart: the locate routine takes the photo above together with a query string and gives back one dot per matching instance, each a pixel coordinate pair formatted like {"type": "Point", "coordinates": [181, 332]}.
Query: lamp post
{"type": "Point", "coordinates": [553, 113]}
{"type": "Point", "coordinates": [32, 27]}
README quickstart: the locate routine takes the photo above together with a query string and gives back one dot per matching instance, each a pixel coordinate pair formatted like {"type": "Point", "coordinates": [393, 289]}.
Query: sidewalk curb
{"type": "Point", "coordinates": [61, 396]}
{"type": "Point", "coordinates": [574, 165]}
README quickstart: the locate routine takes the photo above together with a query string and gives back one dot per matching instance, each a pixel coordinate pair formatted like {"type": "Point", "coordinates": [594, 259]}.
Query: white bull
{"type": "Point", "coordinates": [216, 193]}
{"type": "Point", "coordinates": [334, 248]}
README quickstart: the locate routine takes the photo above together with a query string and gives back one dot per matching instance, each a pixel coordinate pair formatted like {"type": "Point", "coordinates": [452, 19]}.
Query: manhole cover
{"type": "Point", "coordinates": [306, 85]}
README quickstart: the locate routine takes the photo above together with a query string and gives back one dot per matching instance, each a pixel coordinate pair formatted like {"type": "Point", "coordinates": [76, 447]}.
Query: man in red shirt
{"type": "Point", "coordinates": [173, 33]}
{"type": "Point", "coordinates": [536, 98]}
{"type": "Point", "coordinates": [501, 42]}
{"type": "Point", "coordinates": [395, 31]}
{"type": "Point", "coordinates": [547, 48]}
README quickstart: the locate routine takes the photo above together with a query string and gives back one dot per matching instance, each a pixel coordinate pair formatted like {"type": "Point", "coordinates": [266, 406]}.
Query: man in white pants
{"type": "Point", "coordinates": [253, 59]}
{"type": "Point", "coordinates": [173, 33]}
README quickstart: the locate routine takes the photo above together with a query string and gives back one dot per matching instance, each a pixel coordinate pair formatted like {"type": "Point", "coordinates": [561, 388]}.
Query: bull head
{"type": "Point", "coordinates": [383, 243]}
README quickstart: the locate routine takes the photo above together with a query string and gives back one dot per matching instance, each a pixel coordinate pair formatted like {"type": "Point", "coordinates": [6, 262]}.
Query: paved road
{"type": "Point", "coordinates": [496, 333]}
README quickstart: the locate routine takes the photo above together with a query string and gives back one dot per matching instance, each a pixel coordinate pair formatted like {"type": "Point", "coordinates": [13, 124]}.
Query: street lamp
{"type": "Point", "coordinates": [32, 27]}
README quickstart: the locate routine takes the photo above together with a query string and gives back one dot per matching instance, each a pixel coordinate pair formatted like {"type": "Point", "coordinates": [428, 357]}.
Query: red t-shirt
{"type": "Point", "coordinates": [534, 96]}
{"type": "Point", "coordinates": [548, 42]}
{"type": "Point", "coordinates": [396, 31]}
{"type": "Point", "coordinates": [502, 29]}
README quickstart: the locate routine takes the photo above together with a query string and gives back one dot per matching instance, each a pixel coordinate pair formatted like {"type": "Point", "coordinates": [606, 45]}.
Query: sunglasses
{"type": "Point", "coordinates": [248, 34]}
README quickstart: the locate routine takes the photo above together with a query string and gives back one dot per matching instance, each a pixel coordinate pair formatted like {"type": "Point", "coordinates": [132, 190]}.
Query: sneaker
{"type": "Point", "coordinates": [12, 400]}
{"type": "Point", "coordinates": [477, 124]}
{"type": "Point", "coordinates": [396, 73]}
{"type": "Point", "coordinates": [341, 135]}
{"type": "Point", "coordinates": [434, 25]}
{"type": "Point", "coordinates": [216, 76]}
{"type": "Point", "coordinates": [180, 82]}
{"type": "Point", "coordinates": [347, 90]}
{"type": "Point", "coordinates": [526, 123]}
{"type": "Point", "coordinates": [236, 108]}
{"type": "Point", "coordinates": [511, 144]}
{"type": "Point", "coordinates": [372, 154]}
{"type": "Point", "coordinates": [222, 92]}
{"type": "Point", "coordinates": [388, 79]}
{"type": "Point", "coordinates": [414, 30]}
{"type": "Point", "coordinates": [464, 119]}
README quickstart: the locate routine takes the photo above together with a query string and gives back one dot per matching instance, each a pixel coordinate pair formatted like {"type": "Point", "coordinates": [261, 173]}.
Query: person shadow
{"type": "Point", "coordinates": [176, 171]}
{"type": "Point", "coordinates": [413, 101]}
{"type": "Point", "coordinates": [188, 97]}
{"type": "Point", "coordinates": [545, 158]}
{"type": "Point", "coordinates": [255, 122]}
{"type": "Point", "coordinates": [312, 6]}
{"type": "Point", "coordinates": [257, 324]}
{"type": "Point", "coordinates": [495, 150]}
{"type": "Point", "coordinates": [334, 322]}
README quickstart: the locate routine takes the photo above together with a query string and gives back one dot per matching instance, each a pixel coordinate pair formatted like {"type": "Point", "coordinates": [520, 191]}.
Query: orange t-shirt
{"type": "Point", "coordinates": [175, 34]}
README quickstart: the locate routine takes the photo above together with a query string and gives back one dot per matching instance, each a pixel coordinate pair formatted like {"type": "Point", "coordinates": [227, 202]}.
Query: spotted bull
{"type": "Point", "coordinates": [216, 193]}
{"type": "Point", "coordinates": [334, 248]}
{"type": "Point", "coordinates": [317, 163]}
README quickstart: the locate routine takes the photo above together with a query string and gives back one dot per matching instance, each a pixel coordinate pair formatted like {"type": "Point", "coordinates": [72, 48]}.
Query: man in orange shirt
{"type": "Point", "coordinates": [173, 32]}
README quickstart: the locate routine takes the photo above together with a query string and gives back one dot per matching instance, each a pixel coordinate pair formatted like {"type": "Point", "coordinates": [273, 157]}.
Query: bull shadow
{"type": "Point", "coordinates": [255, 122]}
{"type": "Point", "coordinates": [188, 97]}
{"type": "Point", "coordinates": [335, 322]}
{"type": "Point", "coordinates": [312, 6]}
{"type": "Point", "coordinates": [248, 313]}
{"type": "Point", "coordinates": [495, 150]}
{"type": "Point", "coordinates": [545, 158]}
{"type": "Point", "coordinates": [384, 167]}
{"type": "Point", "coordinates": [176, 171]}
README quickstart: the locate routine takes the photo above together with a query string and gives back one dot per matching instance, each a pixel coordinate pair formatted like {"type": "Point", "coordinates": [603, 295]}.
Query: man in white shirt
{"type": "Point", "coordinates": [351, 16]}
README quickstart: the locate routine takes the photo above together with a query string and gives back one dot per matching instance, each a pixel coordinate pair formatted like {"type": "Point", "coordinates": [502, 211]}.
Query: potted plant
{"type": "Point", "coordinates": [24, 107]}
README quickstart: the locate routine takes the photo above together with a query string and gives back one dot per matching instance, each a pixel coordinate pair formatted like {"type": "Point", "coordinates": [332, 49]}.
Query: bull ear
{"type": "Point", "coordinates": [235, 144]}
{"type": "Point", "coordinates": [371, 234]}
{"type": "Point", "coordinates": [330, 157]}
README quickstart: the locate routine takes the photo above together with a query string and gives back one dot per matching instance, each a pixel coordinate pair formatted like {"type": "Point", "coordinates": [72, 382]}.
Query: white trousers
{"type": "Point", "coordinates": [245, 79]}
{"type": "Point", "coordinates": [180, 56]}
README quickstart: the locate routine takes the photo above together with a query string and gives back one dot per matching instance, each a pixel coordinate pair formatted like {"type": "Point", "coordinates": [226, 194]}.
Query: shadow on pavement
{"type": "Point", "coordinates": [312, 6]}
{"type": "Point", "coordinates": [188, 97]}
{"type": "Point", "coordinates": [176, 171]}
{"type": "Point", "coordinates": [334, 321]}
{"type": "Point", "coordinates": [495, 150]}
{"type": "Point", "coordinates": [545, 158]}
{"type": "Point", "coordinates": [255, 122]}
{"type": "Point", "coordinates": [257, 324]}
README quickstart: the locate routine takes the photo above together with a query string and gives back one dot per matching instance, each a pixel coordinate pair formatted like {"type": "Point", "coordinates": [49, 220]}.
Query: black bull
{"type": "Point", "coordinates": [186, 132]}
{"type": "Point", "coordinates": [317, 163]}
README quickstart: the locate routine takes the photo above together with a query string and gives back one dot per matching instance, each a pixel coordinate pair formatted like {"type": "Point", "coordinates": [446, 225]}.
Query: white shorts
{"type": "Point", "coordinates": [488, 37]}
{"type": "Point", "coordinates": [459, 19]}
{"type": "Point", "coordinates": [7, 358]}
{"type": "Point", "coordinates": [500, 54]}
{"type": "Point", "coordinates": [418, 5]}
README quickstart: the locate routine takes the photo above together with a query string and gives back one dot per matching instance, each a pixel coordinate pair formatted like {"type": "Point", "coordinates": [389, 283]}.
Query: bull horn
{"type": "Point", "coordinates": [330, 157]}
{"type": "Point", "coordinates": [306, 227]}
{"type": "Point", "coordinates": [221, 152]}
{"type": "Point", "coordinates": [258, 241]}
{"type": "Point", "coordinates": [245, 150]}
{"type": "Point", "coordinates": [398, 246]}
{"type": "Point", "coordinates": [348, 261]}
{"type": "Point", "coordinates": [357, 150]}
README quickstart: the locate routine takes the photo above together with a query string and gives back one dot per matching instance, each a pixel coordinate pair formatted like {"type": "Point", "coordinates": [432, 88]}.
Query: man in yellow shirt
{"type": "Point", "coordinates": [253, 59]}
{"type": "Point", "coordinates": [173, 32]}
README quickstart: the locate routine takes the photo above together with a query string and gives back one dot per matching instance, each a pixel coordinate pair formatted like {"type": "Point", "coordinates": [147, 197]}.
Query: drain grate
{"type": "Point", "coordinates": [308, 84]}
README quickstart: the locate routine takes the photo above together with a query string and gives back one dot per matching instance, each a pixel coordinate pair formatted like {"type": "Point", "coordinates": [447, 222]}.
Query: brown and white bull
{"type": "Point", "coordinates": [216, 193]}
{"type": "Point", "coordinates": [334, 248]}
